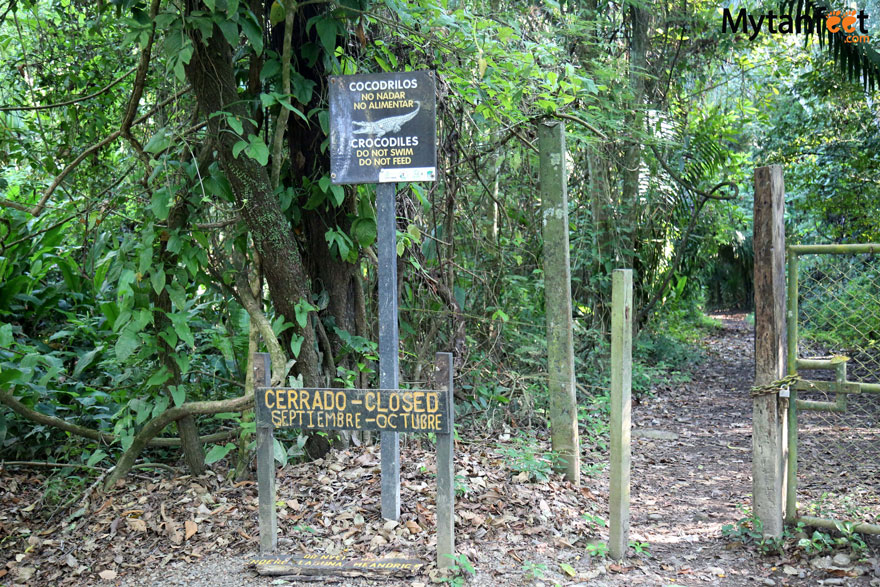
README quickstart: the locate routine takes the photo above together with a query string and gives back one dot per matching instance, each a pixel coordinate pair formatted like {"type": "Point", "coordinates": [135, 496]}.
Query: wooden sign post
{"type": "Point", "coordinates": [385, 410]}
{"type": "Point", "coordinates": [382, 131]}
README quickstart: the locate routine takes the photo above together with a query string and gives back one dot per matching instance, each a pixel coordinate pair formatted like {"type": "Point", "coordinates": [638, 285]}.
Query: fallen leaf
{"type": "Point", "coordinates": [137, 524]}
{"type": "Point", "coordinates": [569, 570]}
{"type": "Point", "coordinates": [191, 528]}
{"type": "Point", "coordinates": [413, 527]}
{"type": "Point", "coordinates": [107, 575]}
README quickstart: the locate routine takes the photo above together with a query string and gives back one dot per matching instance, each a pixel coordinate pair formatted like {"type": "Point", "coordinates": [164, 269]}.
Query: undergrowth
{"type": "Point", "coordinates": [749, 531]}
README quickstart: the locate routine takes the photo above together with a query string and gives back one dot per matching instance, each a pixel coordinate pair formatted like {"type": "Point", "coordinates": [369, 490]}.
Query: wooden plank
{"type": "Point", "coordinates": [389, 344]}
{"type": "Point", "coordinates": [265, 463]}
{"type": "Point", "coordinates": [396, 410]}
{"type": "Point", "coordinates": [557, 300]}
{"type": "Point", "coordinates": [445, 466]}
{"type": "Point", "coordinates": [621, 412]}
{"type": "Point", "coordinates": [768, 417]}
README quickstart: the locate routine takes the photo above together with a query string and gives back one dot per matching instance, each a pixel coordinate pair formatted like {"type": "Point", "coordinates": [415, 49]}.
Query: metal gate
{"type": "Point", "coordinates": [834, 404]}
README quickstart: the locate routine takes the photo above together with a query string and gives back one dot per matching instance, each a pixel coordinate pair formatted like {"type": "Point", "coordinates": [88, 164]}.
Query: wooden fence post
{"type": "Point", "coordinates": [265, 461]}
{"type": "Point", "coordinates": [445, 466]}
{"type": "Point", "coordinates": [768, 417]}
{"type": "Point", "coordinates": [621, 411]}
{"type": "Point", "coordinates": [557, 299]}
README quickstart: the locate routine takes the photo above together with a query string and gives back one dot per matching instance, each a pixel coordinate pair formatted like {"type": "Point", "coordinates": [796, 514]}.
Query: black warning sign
{"type": "Point", "coordinates": [383, 128]}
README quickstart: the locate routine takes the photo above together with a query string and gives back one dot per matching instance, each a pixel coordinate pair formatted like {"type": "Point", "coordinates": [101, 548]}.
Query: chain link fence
{"type": "Point", "coordinates": [837, 344]}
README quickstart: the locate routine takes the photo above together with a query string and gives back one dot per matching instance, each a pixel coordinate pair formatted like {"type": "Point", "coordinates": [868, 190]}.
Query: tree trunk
{"type": "Point", "coordinates": [213, 80]}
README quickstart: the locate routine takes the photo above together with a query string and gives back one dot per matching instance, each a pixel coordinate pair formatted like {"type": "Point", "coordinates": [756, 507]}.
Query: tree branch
{"type": "Point", "coordinates": [157, 424]}
{"type": "Point", "coordinates": [102, 437]}
{"type": "Point", "coordinates": [69, 102]}
{"type": "Point", "coordinates": [284, 113]}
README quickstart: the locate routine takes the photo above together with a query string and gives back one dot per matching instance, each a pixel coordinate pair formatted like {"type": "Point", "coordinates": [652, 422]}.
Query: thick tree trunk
{"type": "Point", "coordinates": [214, 84]}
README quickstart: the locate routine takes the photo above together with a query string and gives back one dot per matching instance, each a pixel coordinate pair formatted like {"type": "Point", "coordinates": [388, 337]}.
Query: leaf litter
{"type": "Point", "coordinates": [513, 528]}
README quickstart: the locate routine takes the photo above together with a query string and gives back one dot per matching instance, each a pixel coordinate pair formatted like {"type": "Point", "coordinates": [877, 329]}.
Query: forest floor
{"type": "Point", "coordinates": [690, 476]}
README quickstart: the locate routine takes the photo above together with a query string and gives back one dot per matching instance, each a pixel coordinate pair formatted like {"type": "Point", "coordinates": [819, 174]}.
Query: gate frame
{"type": "Point", "coordinates": [841, 386]}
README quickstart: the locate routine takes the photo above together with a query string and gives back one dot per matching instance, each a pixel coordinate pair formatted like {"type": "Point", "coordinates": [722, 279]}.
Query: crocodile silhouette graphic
{"type": "Point", "coordinates": [384, 126]}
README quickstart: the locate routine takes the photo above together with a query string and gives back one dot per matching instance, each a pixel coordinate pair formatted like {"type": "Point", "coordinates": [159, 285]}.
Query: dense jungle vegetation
{"type": "Point", "coordinates": [167, 208]}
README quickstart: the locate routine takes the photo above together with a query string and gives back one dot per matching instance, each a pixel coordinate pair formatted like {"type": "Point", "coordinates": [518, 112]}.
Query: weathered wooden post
{"type": "Point", "coordinates": [621, 411]}
{"type": "Point", "coordinates": [768, 417]}
{"type": "Point", "coordinates": [389, 344]}
{"type": "Point", "coordinates": [557, 299]}
{"type": "Point", "coordinates": [265, 461]}
{"type": "Point", "coordinates": [445, 466]}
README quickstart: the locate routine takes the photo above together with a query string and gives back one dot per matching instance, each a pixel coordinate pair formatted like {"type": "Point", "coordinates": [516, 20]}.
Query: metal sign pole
{"type": "Point", "coordinates": [386, 224]}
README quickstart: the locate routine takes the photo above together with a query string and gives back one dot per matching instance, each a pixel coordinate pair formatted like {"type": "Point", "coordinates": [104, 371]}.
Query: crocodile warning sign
{"type": "Point", "coordinates": [383, 128]}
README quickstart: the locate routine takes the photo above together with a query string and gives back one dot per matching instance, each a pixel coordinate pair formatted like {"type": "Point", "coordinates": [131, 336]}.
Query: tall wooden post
{"type": "Point", "coordinates": [389, 345]}
{"type": "Point", "coordinates": [445, 467]}
{"type": "Point", "coordinates": [768, 417]}
{"type": "Point", "coordinates": [557, 299]}
{"type": "Point", "coordinates": [265, 461]}
{"type": "Point", "coordinates": [621, 411]}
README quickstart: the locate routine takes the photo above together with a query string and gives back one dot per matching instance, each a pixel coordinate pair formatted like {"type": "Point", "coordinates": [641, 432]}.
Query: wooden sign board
{"type": "Point", "coordinates": [387, 410]}
{"type": "Point", "coordinates": [314, 564]}
{"type": "Point", "coordinates": [383, 128]}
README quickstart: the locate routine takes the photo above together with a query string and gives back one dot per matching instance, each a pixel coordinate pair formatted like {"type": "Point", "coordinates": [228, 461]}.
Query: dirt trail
{"type": "Point", "coordinates": [692, 475]}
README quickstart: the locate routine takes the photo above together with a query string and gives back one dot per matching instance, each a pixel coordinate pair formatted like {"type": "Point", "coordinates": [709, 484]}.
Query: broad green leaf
{"type": "Point", "coordinates": [267, 100]}
{"type": "Point", "coordinates": [327, 30]}
{"type": "Point", "coordinates": [7, 375]}
{"type": "Point", "coordinates": [161, 203]}
{"type": "Point", "coordinates": [270, 69]}
{"type": "Point", "coordinates": [228, 28]}
{"type": "Point", "coordinates": [157, 280]}
{"type": "Point", "coordinates": [178, 394]}
{"type": "Point", "coordinates": [337, 194]}
{"type": "Point", "coordinates": [86, 359]}
{"type": "Point", "coordinates": [218, 452]}
{"type": "Point", "coordinates": [159, 377]}
{"type": "Point", "coordinates": [252, 32]}
{"type": "Point", "coordinates": [126, 344]}
{"type": "Point", "coordinates": [236, 125]}
{"type": "Point", "coordinates": [158, 142]}
{"type": "Point", "coordinates": [569, 570]}
{"type": "Point", "coordinates": [296, 344]}
{"type": "Point", "coordinates": [364, 231]}
{"type": "Point", "coordinates": [181, 327]}
{"type": "Point", "coordinates": [178, 295]}
{"type": "Point", "coordinates": [258, 150]}
{"type": "Point", "coordinates": [6, 337]}
{"type": "Point", "coordinates": [96, 457]}
{"type": "Point", "coordinates": [280, 452]}
{"type": "Point", "coordinates": [238, 147]}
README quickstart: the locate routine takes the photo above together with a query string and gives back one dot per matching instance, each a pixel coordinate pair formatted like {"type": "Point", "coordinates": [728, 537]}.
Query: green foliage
{"type": "Point", "coordinates": [460, 569]}
{"type": "Point", "coordinates": [749, 530]}
{"type": "Point", "coordinates": [597, 549]}
{"type": "Point", "coordinates": [524, 456]}
{"type": "Point", "coordinates": [533, 571]}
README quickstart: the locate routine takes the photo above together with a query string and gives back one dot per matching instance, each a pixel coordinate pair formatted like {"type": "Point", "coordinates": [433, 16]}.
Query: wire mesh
{"type": "Point", "coordinates": [839, 452]}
